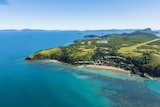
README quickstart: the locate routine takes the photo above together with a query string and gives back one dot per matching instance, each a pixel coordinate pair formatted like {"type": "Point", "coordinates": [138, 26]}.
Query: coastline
{"type": "Point", "coordinates": [102, 67]}
{"type": "Point", "coordinates": [108, 68]}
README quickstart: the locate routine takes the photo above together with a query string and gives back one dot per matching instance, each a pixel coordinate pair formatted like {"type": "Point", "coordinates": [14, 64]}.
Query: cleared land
{"type": "Point", "coordinates": [133, 50]}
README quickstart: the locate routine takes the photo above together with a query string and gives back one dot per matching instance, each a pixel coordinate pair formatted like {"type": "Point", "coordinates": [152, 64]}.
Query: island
{"type": "Point", "coordinates": [91, 36]}
{"type": "Point", "coordinates": [137, 52]}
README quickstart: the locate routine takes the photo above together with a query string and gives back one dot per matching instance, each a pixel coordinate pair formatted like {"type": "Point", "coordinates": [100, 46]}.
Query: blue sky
{"type": "Point", "coordinates": [79, 14]}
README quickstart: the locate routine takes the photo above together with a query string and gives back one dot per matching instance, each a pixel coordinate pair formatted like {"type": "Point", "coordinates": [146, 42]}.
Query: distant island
{"type": "Point", "coordinates": [137, 52]}
{"type": "Point", "coordinates": [91, 36]}
{"type": "Point", "coordinates": [148, 30]}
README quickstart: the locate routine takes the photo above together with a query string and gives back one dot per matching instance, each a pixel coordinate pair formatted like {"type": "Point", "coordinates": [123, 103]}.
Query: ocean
{"type": "Point", "coordinates": [47, 84]}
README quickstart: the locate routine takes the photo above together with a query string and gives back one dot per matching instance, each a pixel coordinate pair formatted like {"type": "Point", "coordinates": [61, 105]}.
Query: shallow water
{"type": "Point", "coordinates": [46, 84]}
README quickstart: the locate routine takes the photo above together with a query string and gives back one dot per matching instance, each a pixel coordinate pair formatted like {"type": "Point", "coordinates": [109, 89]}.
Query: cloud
{"type": "Point", "coordinates": [3, 2]}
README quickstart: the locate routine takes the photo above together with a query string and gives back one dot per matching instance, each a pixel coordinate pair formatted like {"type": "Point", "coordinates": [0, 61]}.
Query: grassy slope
{"type": "Point", "coordinates": [132, 50]}
{"type": "Point", "coordinates": [45, 53]}
{"type": "Point", "coordinates": [66, 54]}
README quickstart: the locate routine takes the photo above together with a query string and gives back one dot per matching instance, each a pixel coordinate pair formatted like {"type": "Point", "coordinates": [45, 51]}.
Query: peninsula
{"type": "Point", "coordinates": [138, 52]}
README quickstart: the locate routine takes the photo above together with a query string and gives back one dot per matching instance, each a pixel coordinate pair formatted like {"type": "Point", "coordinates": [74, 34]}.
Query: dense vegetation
{"type": "Point", "coordinates": [138, 52]}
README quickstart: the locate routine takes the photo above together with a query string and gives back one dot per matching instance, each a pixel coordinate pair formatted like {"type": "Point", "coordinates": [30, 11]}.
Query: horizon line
{"type": "Point", "coordinates": [25, 29]}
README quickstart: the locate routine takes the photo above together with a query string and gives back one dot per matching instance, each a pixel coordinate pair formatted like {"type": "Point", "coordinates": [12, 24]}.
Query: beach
{"type": "Point", "coordinates": [104, 67]}
{"type": "Point", "coordinates": [108, 68]}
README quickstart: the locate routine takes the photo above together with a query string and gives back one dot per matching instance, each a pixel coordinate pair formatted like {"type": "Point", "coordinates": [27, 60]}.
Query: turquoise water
{"type": "Point", "coordinates": [46, 84]}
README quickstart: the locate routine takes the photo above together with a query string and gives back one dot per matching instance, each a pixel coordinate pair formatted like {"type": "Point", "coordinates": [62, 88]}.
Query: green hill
{"type": "Point", "coordinates": [138, 52]}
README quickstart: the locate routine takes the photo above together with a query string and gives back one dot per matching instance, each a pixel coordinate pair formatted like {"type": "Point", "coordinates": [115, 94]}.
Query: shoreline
{"type": "Point", "coordinates": [108, 68]}
{"type": "Point", "coordinates": [94, 66]}
{"type": "Point", "coordinates": [102, 67]}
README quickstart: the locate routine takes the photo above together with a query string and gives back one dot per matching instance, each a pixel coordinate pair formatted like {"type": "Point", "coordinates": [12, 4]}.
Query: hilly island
{"type": "Point", "coordinates": [137, 52]}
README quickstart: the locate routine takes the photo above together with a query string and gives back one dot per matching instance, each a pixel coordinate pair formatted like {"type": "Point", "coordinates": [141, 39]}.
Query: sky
{"type": "Point", "coordinates": [79, 14]}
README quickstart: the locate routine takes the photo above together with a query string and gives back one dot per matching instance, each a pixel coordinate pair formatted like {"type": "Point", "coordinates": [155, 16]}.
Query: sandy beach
{"type": "Point", "coordinates": [103, 68]}
{"type": "Point", "coordinates": [108, 68]}
{"type": "Point", "coordinates": [55, 61]}
{"type": "Point", "coordinates": [94, 66]}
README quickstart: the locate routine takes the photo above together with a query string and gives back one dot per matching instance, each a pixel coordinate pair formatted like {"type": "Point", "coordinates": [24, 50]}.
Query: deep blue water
{"type": "Point", "coordinates": [46, 84]}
